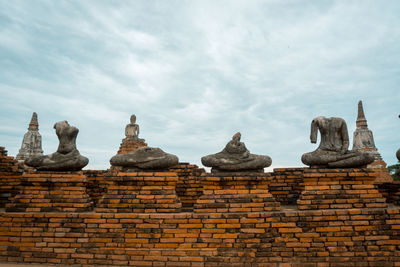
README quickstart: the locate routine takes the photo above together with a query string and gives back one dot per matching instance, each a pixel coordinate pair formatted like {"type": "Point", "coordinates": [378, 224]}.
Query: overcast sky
{"type": "Point", "coordinates": [197, 72]}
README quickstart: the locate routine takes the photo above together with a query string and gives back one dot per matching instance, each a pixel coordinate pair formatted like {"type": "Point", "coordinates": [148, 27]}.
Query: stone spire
{"type": "Point", "coordinates": [361, 120]}
{"type": "Point", "coordinates": [34, 125]}
{"type": "Point", "coordinates": [363, 139]}
{"type": "Point", "coordinates": [32, 142]}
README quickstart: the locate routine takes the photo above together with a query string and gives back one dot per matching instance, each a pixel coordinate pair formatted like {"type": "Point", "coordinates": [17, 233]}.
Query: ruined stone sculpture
{"type": "Point", "coordinates": [363, 139]}
{"type": "Point", "coordinates": [32, 142]}
{"type": "Point", "coordinates": [333, 149]}
{"type": "Point", "coordinates": [148, 158]}
{"type": "Point", "coordinates": [236, 157]}
{"type": "Point", "coordinates": [67, 157]}
{"type": "Point", "coordinates": [132, 129]}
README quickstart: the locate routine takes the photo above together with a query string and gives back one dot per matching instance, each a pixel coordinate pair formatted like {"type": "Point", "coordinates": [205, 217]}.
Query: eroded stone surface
{"type": "Point", "coordinates": [132, 130]}
{"type": "Point", "coordinates": [333, 149]}
{"type": "Point", "coordinates": [236, 157]}
{"type": "Point", "coordinates": [363, 139]}
{"type": "Point", "coordinates": [67, 157]}
{"type": "Point", "coordinates": [145, 158]}
{"type": "Point", "coordinates": [32, 142]}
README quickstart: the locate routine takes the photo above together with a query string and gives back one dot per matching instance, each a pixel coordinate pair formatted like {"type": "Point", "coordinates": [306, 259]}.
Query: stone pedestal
{"type": "Point", "coordinates": [51, 192]}
{"type": "Point", "coordinates": [340, 189]}
{"type": "Point", "coordinates": [140, 192]}
{"type": "Point", "coordinates": [130, 145]}
{"type": "Point", "coordinates": [235, 192]}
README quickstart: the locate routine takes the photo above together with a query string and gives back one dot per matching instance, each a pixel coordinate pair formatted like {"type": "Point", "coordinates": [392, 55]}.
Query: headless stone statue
{"type": "Point", "coordinates": [147, 158]}
{"type": "Point", "coordinates": [236, 157]}
{"type": "Point", "coordinates": [67, 157]}
{"type": "Point", "coordinates": [132, 129]}
{"type": "Point", "coordinates": [333, 149]}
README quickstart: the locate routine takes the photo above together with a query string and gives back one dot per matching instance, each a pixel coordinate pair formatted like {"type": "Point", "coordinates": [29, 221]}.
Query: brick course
{"type": "Point", "coordinates": [129, 145]}
{"type": "Point", "coordinates": [286, 184]}
{"type": "Point", "coordinates": [49, 191]}
{"type": "Point", "coordinates": [225, 192]}
{"type": "Point", "coordinates": [146, 192]}
{"type": "Point", "coordinates": [188, 187]}
{"type": "Point", "coordinates": [340, 189]}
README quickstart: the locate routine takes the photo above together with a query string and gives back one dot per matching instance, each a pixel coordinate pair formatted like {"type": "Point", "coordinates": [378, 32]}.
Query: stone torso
{"type": "Point", "coordinates": [67, 137]}
{"type": "Point", "coordinates": [333, 133]}
{"type": "Point", "coordinates": [131, 130]}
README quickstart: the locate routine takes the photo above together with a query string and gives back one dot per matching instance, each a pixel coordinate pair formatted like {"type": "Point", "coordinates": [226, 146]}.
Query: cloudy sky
{"type": "Point", "coordinates": [196, 72]}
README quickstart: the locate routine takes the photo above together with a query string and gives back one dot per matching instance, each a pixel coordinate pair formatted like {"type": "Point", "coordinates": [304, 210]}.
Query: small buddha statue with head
{"type": "Point", "coordinates": [132, 129]}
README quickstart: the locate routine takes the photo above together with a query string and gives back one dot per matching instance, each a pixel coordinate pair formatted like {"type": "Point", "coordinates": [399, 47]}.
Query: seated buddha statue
{"type": "Point", "coordinates": [132, 129]}
{"type": "Point", "coordinates": [333, 148]}
{"type": "Point", "coordinates": [67, 156]}
{"type": "Point", "coordinates": [236, 157]}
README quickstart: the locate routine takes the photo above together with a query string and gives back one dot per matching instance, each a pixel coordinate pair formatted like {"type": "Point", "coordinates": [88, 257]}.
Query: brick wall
{"type": "Point", "coordinates": [286, 184]}
{"type": "Point", "coordinates": [140, 192]}
{"type": "Point", "coordinates": [340, 189]}
{"type": "Point", "coordinates": [354, 237]}
{"type": "Point", "coordinates": [9, 177]}
{"type": "Point", "coordinates": [391, 191]}
{"type": "Point", "coordinates": [129, 145]}
{"type": "Point", "coordinates": [188, 187]}
{"type": "Point", "coordinates": [186, 217]}
{"type": "Point", "coordinates": [96, 186]}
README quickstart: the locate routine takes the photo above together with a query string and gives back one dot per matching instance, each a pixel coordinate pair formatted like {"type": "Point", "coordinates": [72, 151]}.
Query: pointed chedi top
{"type": "Point", "coordinates": [361, 120]}
{"type": "Point", "coordinates": [363, 139]}
{"type": "Point", "coordinates": [34, 125]}
{"type": "Point", "coordinates": [32, 142]}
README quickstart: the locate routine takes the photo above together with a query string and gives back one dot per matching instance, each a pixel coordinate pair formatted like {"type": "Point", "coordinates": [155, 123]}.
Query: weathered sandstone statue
{"type": "Point", "coordinates": [32, 142]}
{"type": "Point", "coordinates": [132, 129]}
{"type": "Point", "coordinates": [134, 154]}
{"type": "Point", "coordinates": [149, 158]}
{"type": "Point", "coordinates": [67, 157]}
{"type": "Point", "coordinates": [236, 157]}
{"type": "Point", "coordinates": [333, 149]}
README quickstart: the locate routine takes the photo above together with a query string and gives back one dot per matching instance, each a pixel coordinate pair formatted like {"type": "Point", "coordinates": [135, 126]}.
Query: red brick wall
{"type": "Point", "coordinates": [96, 185]}
{"type": "Point", "coordinates": [188, 187]}
{"type": "Point", "coordinates": [352, 237]}
{"type": "Point", "coordinates": [9, 177]}
{"type": "Point", "coordinates": [391, 191]}
{"type": "Point", "coordinates": [286, 184]}
{"type": "Point", "coordinates": [236, 233]}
